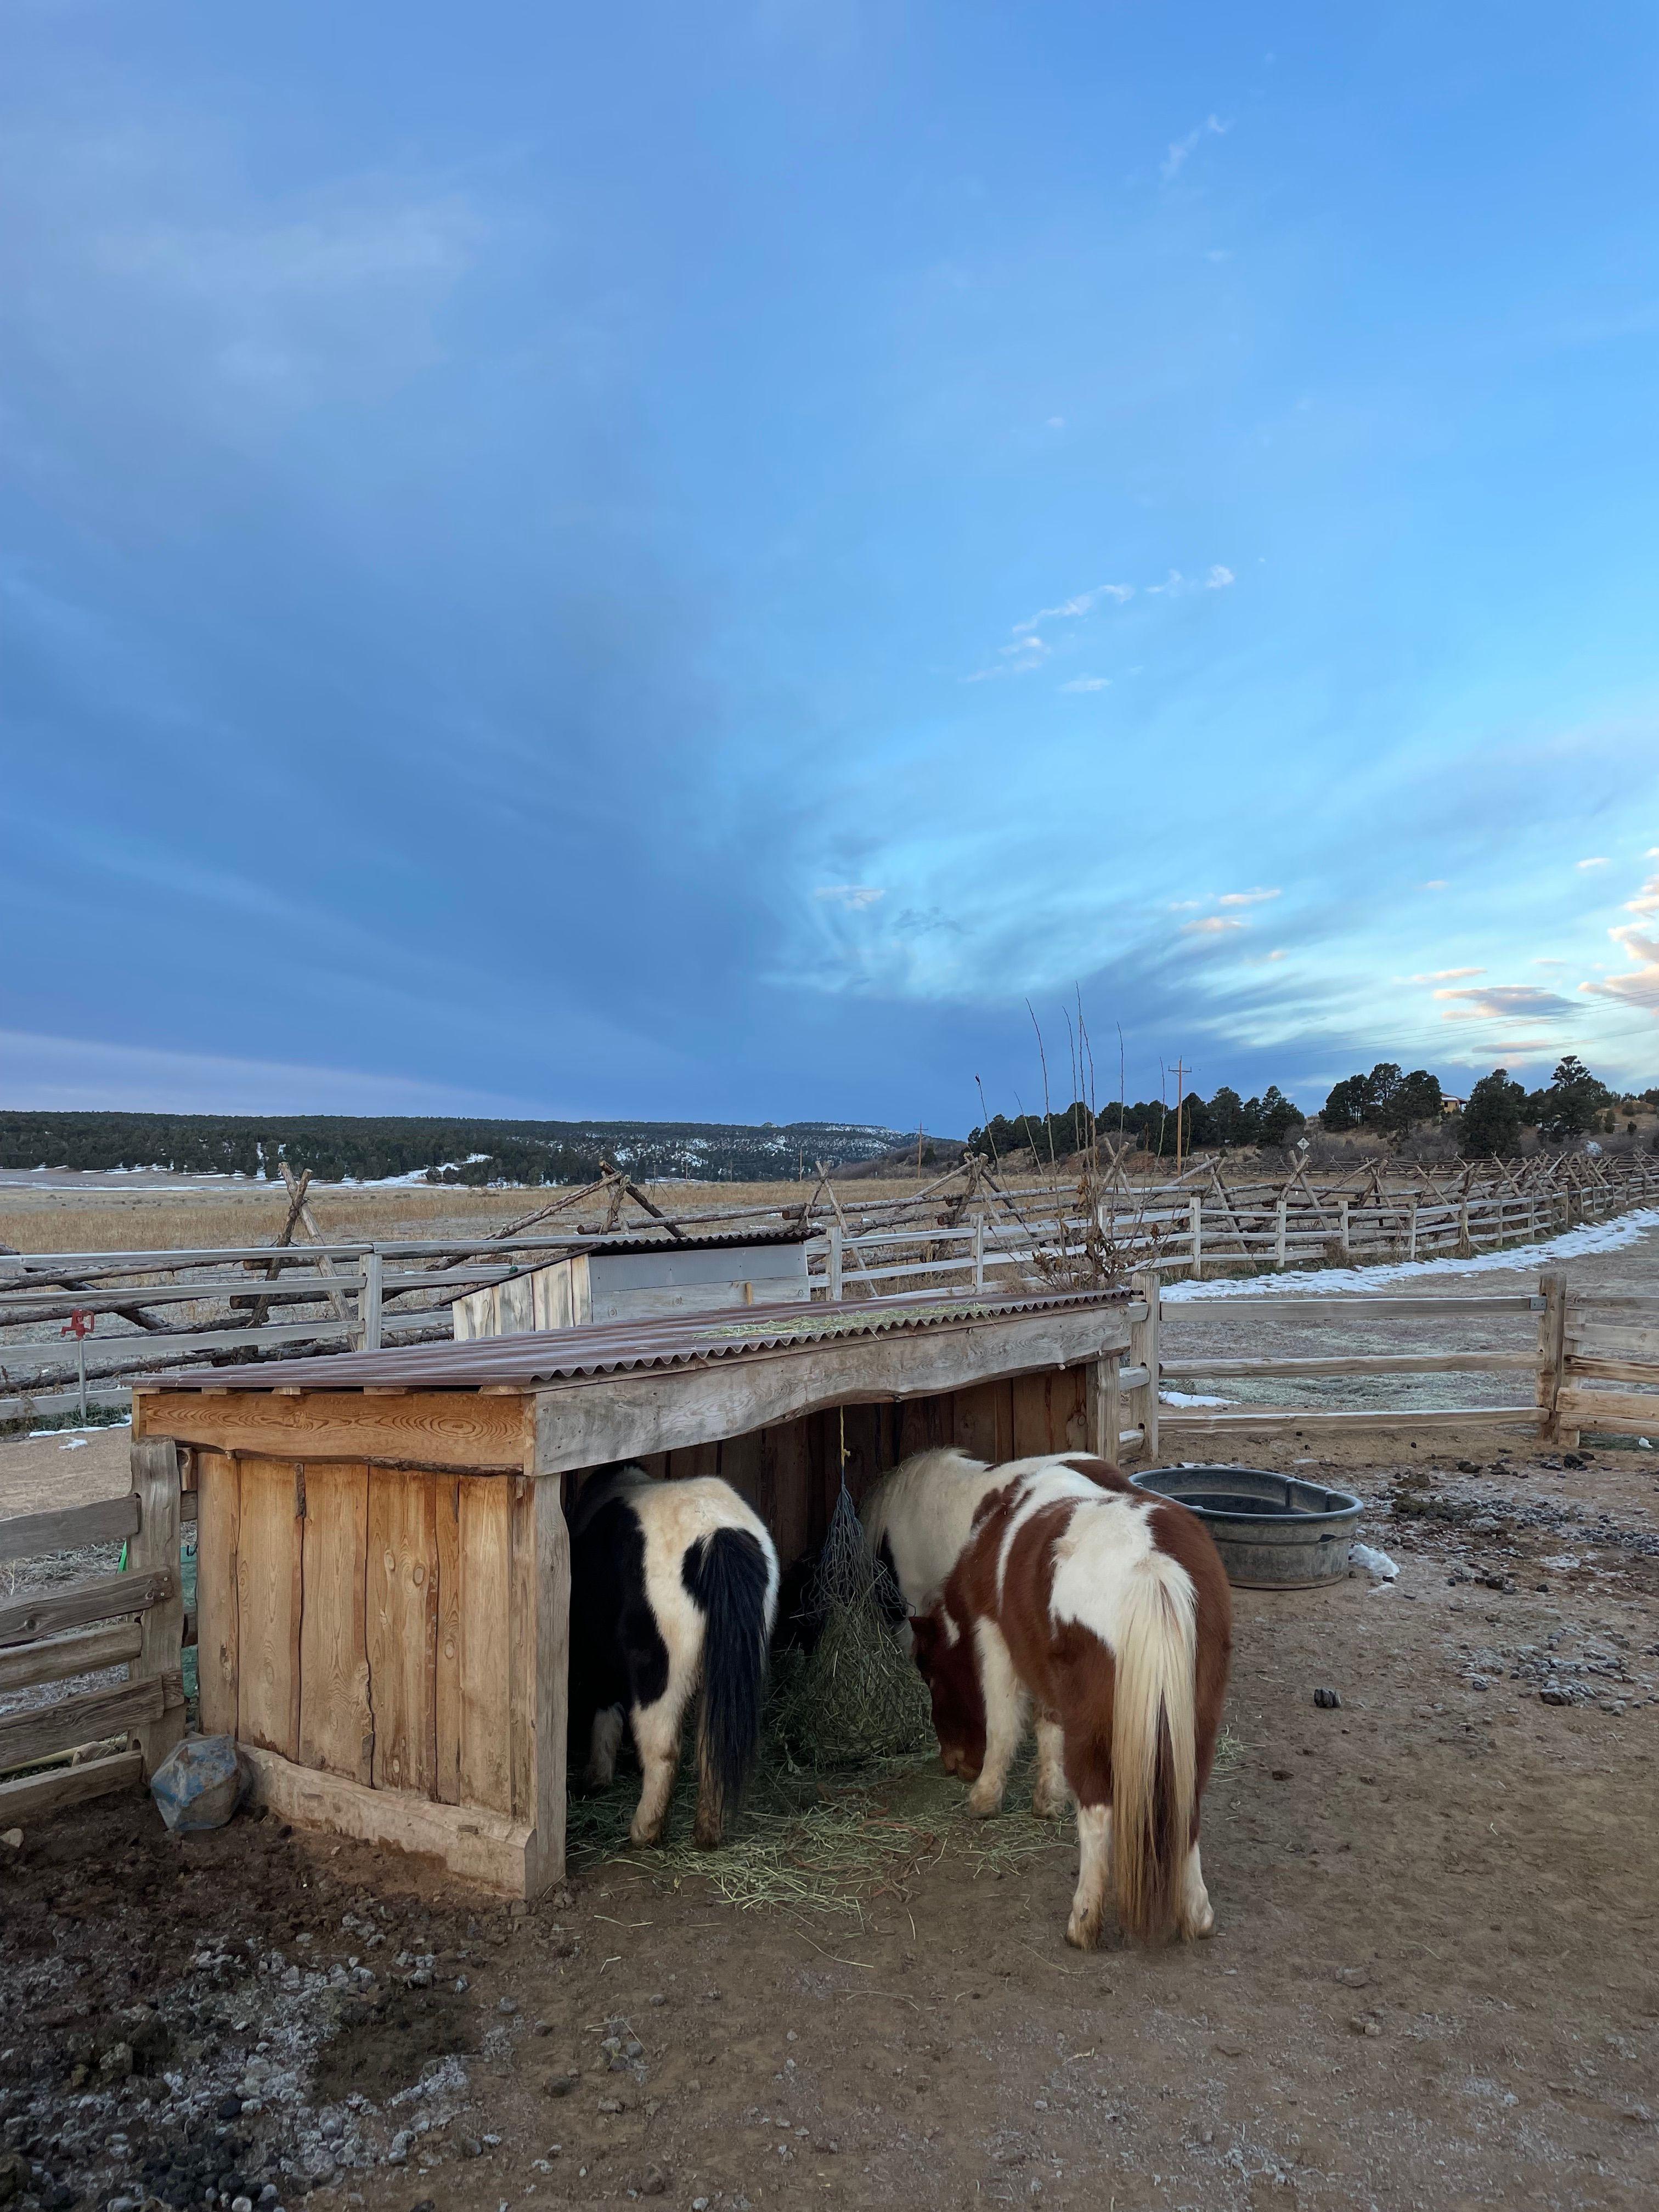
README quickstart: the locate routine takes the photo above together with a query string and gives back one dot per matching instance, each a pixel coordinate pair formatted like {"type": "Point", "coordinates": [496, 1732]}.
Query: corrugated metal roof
{"type": "Point", "coordinates": [604, 1348]}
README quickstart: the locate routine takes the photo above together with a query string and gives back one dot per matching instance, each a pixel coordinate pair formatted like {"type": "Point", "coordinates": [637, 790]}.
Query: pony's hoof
{"type": "Point", "coordinates": [982, 1803]}
{"type": "Point", "coordinates": [1048, 1805]}
{"type": "Point", "coordinates": [705, 1838]}
{"type": "Point", "coordinates": [645, 1838]}
{"type": "Point", "coordinates": [1196, 1925]}
{"type": "Point", "coordinates": [1082, 1930]}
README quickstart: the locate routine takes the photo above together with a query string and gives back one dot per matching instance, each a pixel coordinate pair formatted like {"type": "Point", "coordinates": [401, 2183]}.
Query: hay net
{"type": "Point", "coordinates": [856, 1695]}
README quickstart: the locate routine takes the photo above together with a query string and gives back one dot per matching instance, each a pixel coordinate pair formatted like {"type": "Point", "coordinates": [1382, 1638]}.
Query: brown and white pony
{"type": "Point", "coordinates": [917, 1516]}
{"type": "Point", "coordinates": [673, 1591]}
{"type": "Point", "coordinates": [1109, 1611]}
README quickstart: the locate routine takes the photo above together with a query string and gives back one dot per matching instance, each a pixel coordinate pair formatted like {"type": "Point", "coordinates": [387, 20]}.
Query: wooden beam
{"type": "Point", "coordinates": [44, 1611]}
{"type": "Point", "coordinates": [62, 1658]}
{"type": "Point", "coordinates": [1294, 1417]}
{"type": "Point", "coordinates": [434, 1429]}
{"type": "Point", "coordinates": [491, 1849]}
{"type": "Point", "coordinates": [1403, 1363]}
{"type": "Point", "coordinates": [538, 1699]}
{"type": "Point", "coordinates": [154, 1550]}
{"type": "Point", "coordinates": [1624, 1411]}
{"type": "Point", "coordinates": [33, 1796]}
{"type": "Point", "coordinates": [35, 1734]}
{"type": "Point", "coordinates": [586, 1424]}
{"type": "Point", "coordinates": [69, 1528]}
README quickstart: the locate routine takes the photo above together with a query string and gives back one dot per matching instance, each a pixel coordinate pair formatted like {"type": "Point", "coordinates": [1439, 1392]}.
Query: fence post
{"type": "Point", "coordinates": [1410, 1232]}
{"type": "Point", "coordinates": [1197, 1211]}
{"type": "Point", "coordinates": [1551, 1354]}
{"type": "Point", "coordinates": [153, 1550]}
{"type": "Point", "coordinates": [1465, 1249]}
{"type": "Point", "coordinates": [1342, 1206]}
{"type": "Point", "coordinates": [369, 1301]}
{"type": "Point", "coordinates": [1278, 1231]}
{"type": "Point", "coordinates": [1106, 1408]}
{"type": "Point", "coordinates": [979, 1252]}
{"type": "Point", "coordinates": [834, 1235]}
{"type": "Point", "coordinates": [1143, 1352]}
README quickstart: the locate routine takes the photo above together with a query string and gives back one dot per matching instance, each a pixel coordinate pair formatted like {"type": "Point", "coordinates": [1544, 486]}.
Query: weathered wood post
{"type": "Point", "coordinates": [1279, 1231]}
{"type": "Point", "coordinates": [153, 1549]}
{"type": "Point", "coordinates": [1551, 1353]}
{"type": "Point", "coordinates": [835, 1260]}
{"type": "Point", "coordinates": [1465, 1249]}
{"type": "Point", "coordinates": [1197, 1214]}
{"type": "Point", "coordinates": [369, 1300]}
{"type": "Point", "coordinates": [1143, 1352]}
{"type": "Point", "coordinates": [1343, 1236]}
{"type": "Point", "coordinates": [538, 1697]}
{"type": "Point", "coordinates": [1106, 1408]}
{"type": "Point", "coordinates": [979, 1252]}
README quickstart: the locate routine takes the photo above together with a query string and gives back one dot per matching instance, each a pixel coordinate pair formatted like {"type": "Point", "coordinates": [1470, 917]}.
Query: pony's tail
{"type": "Point", "coordinates": [732, 1579]}
{"type": "Point", "coordinates": [1154, 1763]}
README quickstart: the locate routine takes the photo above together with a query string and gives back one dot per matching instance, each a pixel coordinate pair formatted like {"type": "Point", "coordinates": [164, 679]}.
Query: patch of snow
{"type": "Point", "coordinates": [1320, 1282]}
{"type": "Point", "coordinates": [1189, 1398]}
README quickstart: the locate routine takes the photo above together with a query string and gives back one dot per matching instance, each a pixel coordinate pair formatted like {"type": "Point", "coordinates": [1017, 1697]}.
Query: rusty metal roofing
{"type": "Point", "coordinates": [611, 1348]}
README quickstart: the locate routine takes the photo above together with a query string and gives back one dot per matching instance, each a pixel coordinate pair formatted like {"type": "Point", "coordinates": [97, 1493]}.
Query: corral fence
{"type": "Point", "coordinates": [121, 1636]}
{"type": "Point", "coordinates": [1595, 1361]}
{"type": "Point", "coordinates": [77, 1329]}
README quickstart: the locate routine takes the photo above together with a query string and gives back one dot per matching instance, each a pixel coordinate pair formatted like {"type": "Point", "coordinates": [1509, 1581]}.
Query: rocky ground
{"type": "Point", "coordinates": [1432, 1983]}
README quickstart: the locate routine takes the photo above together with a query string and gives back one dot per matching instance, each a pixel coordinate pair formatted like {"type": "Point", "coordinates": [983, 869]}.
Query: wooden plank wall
{"type": "Point", "coordinates": [363, 1621]}
{"type": "Point", "coordinates": [789, 1474]}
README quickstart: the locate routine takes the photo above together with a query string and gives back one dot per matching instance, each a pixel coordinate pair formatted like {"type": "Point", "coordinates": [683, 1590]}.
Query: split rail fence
{"type": "Point", "coordinates": [77, 1328]}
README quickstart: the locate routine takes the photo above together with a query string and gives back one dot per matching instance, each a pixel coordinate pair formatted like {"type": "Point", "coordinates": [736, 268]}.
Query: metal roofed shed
{"type": "Point", "coordinates": [635, 1279]}
{"type": "Point", "coordinates": [383, 1566]}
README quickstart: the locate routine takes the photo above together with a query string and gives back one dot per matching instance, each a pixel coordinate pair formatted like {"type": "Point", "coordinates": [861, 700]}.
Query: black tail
{"type": "Point", "coordinates": [727, 1575]}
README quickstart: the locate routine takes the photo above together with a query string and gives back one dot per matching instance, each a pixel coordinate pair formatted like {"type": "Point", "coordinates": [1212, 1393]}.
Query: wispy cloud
{"type": "Point", "coordinates": [1211, 924]}
{"type": "Point", "coordinates": [1598, 861]}
{"type": "Point", "coordinates": [1646, 900]}
{"type": "Point", "coordinates": [1444, 976]}
{"type": "Point", "coordinates": [1434, 884]}
{"type": "Point", "coordinates": [1181, 151]}
{"type": "Point", "coordinates": [1216, 578]}
{"type": "Point", "coordinates": [1548, 960]}
{"type": "Point", "coordinates": [853, 897]}
{"type": "Point", "coordinates": [1640, 987]}
{"type": "Point", "coordinates": [1088, 683]}
{"type": "Point", "coordinates": [1278, 953]}
{"type": "Point", "coordinates": [1506, 1002]}
{"type": "Point", "coordinates": [1247, 899]}
{"type": "Point", "coordinates": [1084, 603]}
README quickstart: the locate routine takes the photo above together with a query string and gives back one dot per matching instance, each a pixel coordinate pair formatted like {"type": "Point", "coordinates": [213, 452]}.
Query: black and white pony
{"type": "Point", "coordinates": [673, 1589]}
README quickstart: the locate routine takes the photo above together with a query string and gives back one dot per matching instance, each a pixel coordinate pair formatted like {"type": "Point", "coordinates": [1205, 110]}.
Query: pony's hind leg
{"type": "Point", "coordinates": [657, 1738]}
{"type": "Point", "coordinates": [1094, 1835]}
{"type": "Point", "coordinates": [602, 1751]}
{"type": "Point", "coordinates": [1197, 1916]}
{"type": "Point", "coordinates": [1049, 1795]}
{"type": "Point", "coordinates": [1004, 1718]}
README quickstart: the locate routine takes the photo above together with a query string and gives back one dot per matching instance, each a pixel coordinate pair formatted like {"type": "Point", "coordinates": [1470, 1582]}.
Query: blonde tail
{"type": "Point", "coordinates": [1153, 1753]}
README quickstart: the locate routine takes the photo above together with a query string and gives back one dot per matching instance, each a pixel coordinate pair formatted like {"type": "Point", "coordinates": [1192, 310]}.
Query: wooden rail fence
{"type": "Point", "coordinates": [146, 1311]}
{"type": "Point", "coordinates": [58, 1632]}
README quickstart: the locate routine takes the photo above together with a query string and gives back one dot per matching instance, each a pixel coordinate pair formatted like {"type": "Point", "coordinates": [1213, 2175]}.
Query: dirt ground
{"type": "Point", "coordinates": [1432, 1983]}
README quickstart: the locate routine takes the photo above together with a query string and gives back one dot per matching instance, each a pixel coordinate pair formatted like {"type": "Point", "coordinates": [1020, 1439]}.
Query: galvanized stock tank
{"type": "Point", "coordinates": [1272, 1531]}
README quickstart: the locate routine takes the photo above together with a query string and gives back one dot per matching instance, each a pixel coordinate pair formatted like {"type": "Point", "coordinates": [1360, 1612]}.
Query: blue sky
{"type": "Point", "coordinates": [686, 561]}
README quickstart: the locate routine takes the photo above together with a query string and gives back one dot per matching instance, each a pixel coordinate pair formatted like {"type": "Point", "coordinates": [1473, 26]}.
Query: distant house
{"type": "Point", "coordinates": [1452, 1105]}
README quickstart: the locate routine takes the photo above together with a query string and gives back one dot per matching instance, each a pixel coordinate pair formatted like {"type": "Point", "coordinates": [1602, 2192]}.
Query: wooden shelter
{"type": "Point", "coordinates": [383, 1567]}
{"type": "Point", "coordinates": [631, 1279]}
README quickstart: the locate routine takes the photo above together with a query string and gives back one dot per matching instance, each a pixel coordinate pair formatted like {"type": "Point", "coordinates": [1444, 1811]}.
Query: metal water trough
{"type": "Point", "coordinates": [1272, 1531]}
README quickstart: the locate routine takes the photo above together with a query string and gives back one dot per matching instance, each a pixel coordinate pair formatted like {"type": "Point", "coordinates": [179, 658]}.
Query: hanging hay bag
{"type": "Point", "coordinates": [856, 1696]}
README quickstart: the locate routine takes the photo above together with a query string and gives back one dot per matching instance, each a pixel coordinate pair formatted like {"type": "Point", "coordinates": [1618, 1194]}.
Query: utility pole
{"type": "Point", "coordinates": [1179, 1071]}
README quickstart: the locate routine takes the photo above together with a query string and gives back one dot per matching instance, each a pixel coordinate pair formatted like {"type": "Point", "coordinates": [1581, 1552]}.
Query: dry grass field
{"type": "Point", "coordinates": [159, 1217]}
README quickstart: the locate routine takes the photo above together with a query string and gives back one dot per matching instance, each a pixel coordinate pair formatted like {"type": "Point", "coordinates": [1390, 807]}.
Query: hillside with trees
{"type": "Point", "coordinates": [374, 1148]}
